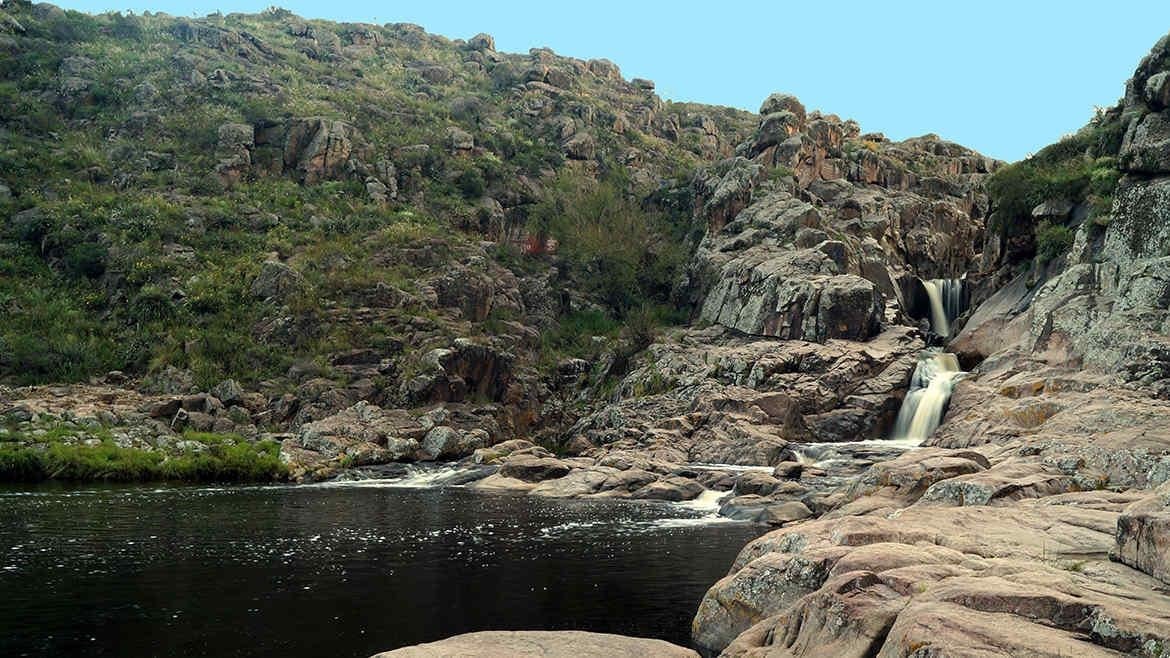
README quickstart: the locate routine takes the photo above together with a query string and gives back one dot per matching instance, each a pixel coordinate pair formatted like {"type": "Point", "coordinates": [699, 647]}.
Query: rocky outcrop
{"type": "Point", "coordinates": [1106, 307]}
{"type": "Point", "coordinates": [1143, 534]}
{"type": "Point", "coordinates": [361, 435]}
{"type": "Point", "coordinates": [465, 369]}
{"type": "Point", "coordinates": [953, 579]}
{"type": "Point", "coordinates": [309, 150]}
{"type": "Point", "coordinates": [815, 231]}
{"type": "Point", "coordinates": [545, 644]}
{"type": "Point", "coordinates": [728, 399]}
{"type": "Point", "coordinates": [278, 282]}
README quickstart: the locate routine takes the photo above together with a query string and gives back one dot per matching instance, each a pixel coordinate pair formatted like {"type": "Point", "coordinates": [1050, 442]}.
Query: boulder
{"type": "Point", "coordinates": [1146, 147]}
{"type": "Point", "coordinates": [786, 512]}
{"type": "Point", "coordinates": [1157, 91]}
{"type": "Point", "coordinates": [482, 41]}
{"type": "Point", "coordinates": [459, 139]}
{"type": "Point", "coordinates": [788, 470]}
{"type": "Point", "coordinates": [675, 488]}
{"type": "Point", "coordinates": [229, 392]}
{"type": "Point", "coordinates": [529, 468]}
{"type": "Point", "coordinates": [725, 190]}
{"type": "Point", "coordinates": [780, 297]}
{"type": "Point", "coordinates": [755, 482]}
{"type": "Point", "coordinates": [310, 149]}
{"type": "Point", "coordinates": [164, 409]}
{"type": "Point", "coordinates": [541, 644]}
{"type": "Point", "coordinates": [277, 282]}
{"type": "Point", "coordinates": [580, 146]}
{"type": "Point", "coordinates": [603, 68]}
{"type": "Point", "coordinates": [1143, 535]}
{"type": "Point", "coordinates": [782, 103]}
{"type": "Point", "coordinates": [449, 443]}
{"type": "Point", "coordinates": [766, 586]}
{"type": "Point", "coordinates": [501, 450]}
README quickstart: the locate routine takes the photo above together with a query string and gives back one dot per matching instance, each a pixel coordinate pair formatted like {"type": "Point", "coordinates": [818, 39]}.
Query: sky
{"type": "Point", "coordinates": [1003, 77]}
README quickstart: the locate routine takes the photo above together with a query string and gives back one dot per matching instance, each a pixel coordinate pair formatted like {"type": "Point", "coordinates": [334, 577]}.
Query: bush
{"type": "Point", "coordinates": [1080, 168]}
{"type": "Point", "coordinates": [85, 259]}
{"type": "Point", "coordinates": [612, 248]}
{"type": "Point", "coordinates": [471, 184]}
{"type": "Point", "coordinates": [573, 335]}
{"type": "Point", "coordinates": [1052, 240]}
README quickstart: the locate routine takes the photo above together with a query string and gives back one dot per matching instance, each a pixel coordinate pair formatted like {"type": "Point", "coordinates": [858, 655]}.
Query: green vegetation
{"type": "Point", "coordinates": [623, 254]}
{"type": "Point", "coordinates": [1080, 169]}
{"type": "Point", "coordinates": [573, 335]}
{"type": "Point", "coordinates": [58, 454]}
{"type": "Point", "coordinates": [1052, 240]}
{"type": "Point", "coordinates": [122, 249]}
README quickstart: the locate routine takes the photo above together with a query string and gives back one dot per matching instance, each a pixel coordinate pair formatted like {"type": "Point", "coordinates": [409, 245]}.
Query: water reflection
{"type": "Point", "coordinates": [340, 571]}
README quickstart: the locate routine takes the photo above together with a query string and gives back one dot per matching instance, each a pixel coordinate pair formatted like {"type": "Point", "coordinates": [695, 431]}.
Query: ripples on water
{"type": "Point", "coordinates": [341, 570]}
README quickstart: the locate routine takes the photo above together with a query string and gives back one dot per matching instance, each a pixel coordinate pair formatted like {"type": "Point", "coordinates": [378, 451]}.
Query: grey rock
{"type": "Point", "coordinates": [580, 146]}
{"type": "Point", "coordinates": [1143, 535]}
{"type": "Point", "coordinates": [534, 469]}
{"type": "Point", "coordinates": [278, 282]}
{"type": "Point", "coordinates": [1157, 91]}
{"type": "Point", "coordinates": [1146, 147]}
{"type": "Point", "coordinates": [482, 41]}
{"type": "Point", "coordinates": [782, 103]}
{"type": "Point", "coordinates": [459, 139]}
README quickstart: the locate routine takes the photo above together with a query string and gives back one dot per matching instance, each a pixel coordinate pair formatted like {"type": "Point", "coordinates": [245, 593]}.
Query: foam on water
{"type": "Point", "coordinates": [708, 501]}
{"type": "Point", "coordinates": [412, 477]}
{"type": "Point", "coordinates": [930, 391]}
{"type": "Point", "coordinates": [737, 468]}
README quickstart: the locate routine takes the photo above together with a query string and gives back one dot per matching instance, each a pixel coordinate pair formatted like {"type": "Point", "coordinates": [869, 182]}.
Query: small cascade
{"type": "Point", "coordinates": [410, 476]}
{"type": "Point", "coordinates": [926, 402]}
{"type": "Point", "coordinates": [946, 303]}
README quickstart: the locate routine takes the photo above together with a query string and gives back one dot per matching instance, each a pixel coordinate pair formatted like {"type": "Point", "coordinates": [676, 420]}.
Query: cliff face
{"type": "Point", "coordinates": [1036, 523]}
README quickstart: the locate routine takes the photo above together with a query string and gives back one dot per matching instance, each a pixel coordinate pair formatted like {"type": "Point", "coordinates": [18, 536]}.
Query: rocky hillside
{"type": "Point", "coordinates": [256, 225]}
{"type": "Point", "coordinates": [216, 194]}
{"type": "Point", "coordinates": [325, 214]}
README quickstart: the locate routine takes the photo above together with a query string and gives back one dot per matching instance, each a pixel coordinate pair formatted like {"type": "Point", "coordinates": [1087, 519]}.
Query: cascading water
{"type": "Point", "coordinates": [926, 402]}
{"type": "Point", "coordinates": [946, 303]}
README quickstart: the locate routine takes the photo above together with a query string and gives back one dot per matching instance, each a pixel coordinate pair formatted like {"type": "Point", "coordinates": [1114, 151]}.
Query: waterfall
{"type": "Point", "coordinates": [946, 303]}
{"type": "Point", "coordinates": [930, 391]}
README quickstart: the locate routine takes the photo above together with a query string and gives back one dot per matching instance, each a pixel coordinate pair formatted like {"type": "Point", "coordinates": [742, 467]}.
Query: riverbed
{"type": "Point", "coordinates": [343, 570]}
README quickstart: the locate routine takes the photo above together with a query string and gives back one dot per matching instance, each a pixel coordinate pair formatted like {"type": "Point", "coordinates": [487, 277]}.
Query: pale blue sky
{"type": "Point", "coordinates": [1003, 77]}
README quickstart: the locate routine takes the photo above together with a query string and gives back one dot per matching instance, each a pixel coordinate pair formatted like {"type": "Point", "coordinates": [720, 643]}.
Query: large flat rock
{"type": "Point", "coordinates": [546, 644]}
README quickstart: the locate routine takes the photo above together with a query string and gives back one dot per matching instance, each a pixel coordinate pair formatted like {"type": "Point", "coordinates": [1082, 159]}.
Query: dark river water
{"type": "Point", "coordinates": [338, 570]}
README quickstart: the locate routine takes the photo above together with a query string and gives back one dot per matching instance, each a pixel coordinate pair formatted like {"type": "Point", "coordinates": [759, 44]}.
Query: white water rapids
{"type": "Point", "coordinates": [946, 303]}
{"type": "Point", "coordinates": [926, 402]}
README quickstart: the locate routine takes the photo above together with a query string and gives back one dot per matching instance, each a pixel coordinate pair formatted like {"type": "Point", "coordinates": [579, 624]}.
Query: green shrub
{"type": "Point", "coordinates": [85, 259]}
{"type": "Point", "coordinates": [1080, 168]}
{"type": "Point", "coordinates": [1052, 240]}
{"type": "Point", "coordinates": [614, 249]}
{"type": "Point", "coordinates": [471, 184]}
{"type": "Point", "coordinates": [226, 458]}
{"type": "Point", "coordinates": [573, 335]}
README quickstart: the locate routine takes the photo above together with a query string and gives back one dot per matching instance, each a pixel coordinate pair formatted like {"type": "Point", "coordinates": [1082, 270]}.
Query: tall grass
{"type": "Point", "coordinates": [226, 459]}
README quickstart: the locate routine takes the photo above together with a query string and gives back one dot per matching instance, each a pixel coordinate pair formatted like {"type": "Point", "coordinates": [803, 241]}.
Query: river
{"type": "Point", "coordinates": [344, 570]}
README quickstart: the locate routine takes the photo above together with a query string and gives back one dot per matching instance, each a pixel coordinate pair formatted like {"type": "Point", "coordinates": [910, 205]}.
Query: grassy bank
{"type": "Point", "coordinates": [202, 458]}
